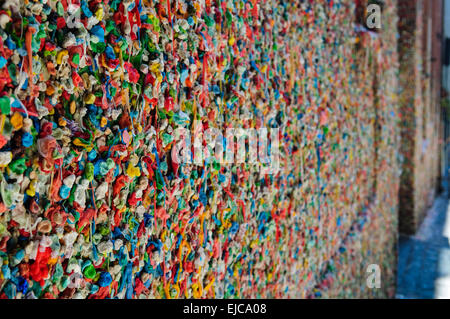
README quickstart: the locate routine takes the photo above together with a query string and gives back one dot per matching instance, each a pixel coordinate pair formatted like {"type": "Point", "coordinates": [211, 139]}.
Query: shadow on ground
{"type": "Point", "coordinates": [424, 259]}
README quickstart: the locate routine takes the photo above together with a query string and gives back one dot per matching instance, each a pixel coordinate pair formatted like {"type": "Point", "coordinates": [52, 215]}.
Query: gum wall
{"type": "Point", "coordinates": [93, 204]}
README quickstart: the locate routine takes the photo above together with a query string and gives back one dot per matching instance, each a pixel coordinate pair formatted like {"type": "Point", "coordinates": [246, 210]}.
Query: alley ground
{"type": "Point", "coordinates": [424, 259]}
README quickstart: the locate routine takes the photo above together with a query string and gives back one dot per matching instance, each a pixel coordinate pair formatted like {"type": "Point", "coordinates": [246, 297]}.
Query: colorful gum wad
{"type": "Point", "coordinates": [93, 204]}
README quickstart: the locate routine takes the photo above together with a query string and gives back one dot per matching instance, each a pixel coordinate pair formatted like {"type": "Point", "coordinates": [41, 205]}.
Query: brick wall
{"type": "Point", "coordinates": [420, 81]}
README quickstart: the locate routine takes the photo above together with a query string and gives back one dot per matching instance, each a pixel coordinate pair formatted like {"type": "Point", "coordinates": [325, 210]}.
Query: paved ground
{"type": "Point", "coordinates": [424, 259]}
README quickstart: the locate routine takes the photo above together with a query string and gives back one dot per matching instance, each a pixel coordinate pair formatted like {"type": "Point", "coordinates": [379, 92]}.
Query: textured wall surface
{"type": "Point", "coordinates": [420, 81]}
{"type": "Point", "coordinates": [93, 204]}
